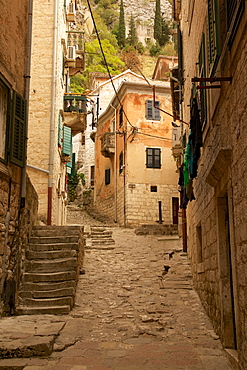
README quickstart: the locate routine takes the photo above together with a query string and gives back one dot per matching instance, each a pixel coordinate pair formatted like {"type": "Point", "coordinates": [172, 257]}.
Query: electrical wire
{"type": "Point", "coordinates": [108, 71]}
{"type": "Point", "coordinates": [106, 64]}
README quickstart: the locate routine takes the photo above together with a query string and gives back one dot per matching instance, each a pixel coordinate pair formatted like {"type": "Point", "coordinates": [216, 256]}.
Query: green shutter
{"type": "Point", "coordinates": [202, 74]}
{"type": "Point", "coordinates": [149, 110]}
{"type": "Point", "coordinates": [67, 140]}
{"type": "Point", "coordinates": [18, 131]}
{"type": "Point", "coordinates": [213, 36]}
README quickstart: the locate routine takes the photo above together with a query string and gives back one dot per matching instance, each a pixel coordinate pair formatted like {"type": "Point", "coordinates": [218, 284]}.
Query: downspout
{"type": "Point", "coordinates": [53, 91]}
{"type": "Point", "coordinates": [115, 165]}
{"type": "Point", "coordinates": [27, 90]}
{"type": "Point", "coordinates": [124, 162]}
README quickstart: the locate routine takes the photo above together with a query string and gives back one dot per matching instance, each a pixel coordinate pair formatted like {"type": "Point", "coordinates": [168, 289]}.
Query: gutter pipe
{"type": "Point", "coordinates": [27, 90]}
{"type": "Point", "coordinates": [52, 125]}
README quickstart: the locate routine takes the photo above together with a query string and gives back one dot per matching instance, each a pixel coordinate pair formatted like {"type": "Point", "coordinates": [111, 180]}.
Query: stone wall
{"type": "Point", "coordinates": [16, 232]}
{"type": "Point", "coordinates": [142, 204]}
{"type": "Point", "coordinates": [217, 233]}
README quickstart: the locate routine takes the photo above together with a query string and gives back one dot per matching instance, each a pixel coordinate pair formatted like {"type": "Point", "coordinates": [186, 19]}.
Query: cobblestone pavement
{"type": "Point", "coordinates": [128, 316]}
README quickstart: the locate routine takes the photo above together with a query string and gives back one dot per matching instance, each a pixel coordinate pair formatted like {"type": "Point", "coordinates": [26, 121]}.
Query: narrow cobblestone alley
{"type": "Point", "coordinates": [127, 317]}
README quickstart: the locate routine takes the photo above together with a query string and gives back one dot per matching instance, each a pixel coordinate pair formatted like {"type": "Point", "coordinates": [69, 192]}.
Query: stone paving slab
{"type": "Point", "coordinates": [27, 336]}
{"type": "Point", "coordinates": [124, 319]}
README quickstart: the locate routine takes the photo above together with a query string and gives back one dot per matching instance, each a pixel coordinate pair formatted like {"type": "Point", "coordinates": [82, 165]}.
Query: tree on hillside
{"type": "Point", "coordinates": [132, 38]}
{"type": "Point", "coordinates": [157, 21]}
{"type": "Point", "coordinates": [161, 27]}
{"type": "Point", "coordinates": [121, 27]}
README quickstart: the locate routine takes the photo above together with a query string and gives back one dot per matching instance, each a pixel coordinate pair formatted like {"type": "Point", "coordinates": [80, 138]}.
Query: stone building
{"type": "Point", "coordinates": [134, 169]}
{"type": "Point", "coordinates": [55, 114]}
{"type": "Point", "coordinates": [212, 156]}
{"type": "Point", "coordinates": [144, 14]}
{"type": "Point", "coordinates": [101, 94]}
{"type": "Point", "coordinates": [18, 200]}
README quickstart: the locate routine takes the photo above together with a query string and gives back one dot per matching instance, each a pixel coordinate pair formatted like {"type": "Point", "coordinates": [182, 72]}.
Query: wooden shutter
{"type": "Point", "coordinates": [213, 36]}
{"type": "Point", "coordinates": [149, 109]}
{"type": "Point", "coordinates": [156, 111]}
{"type": "Point", "coordinates": [202, 74]}
{"type": "Point", "coordinates": [18, 131]}
{"type": "Point", "coordinates": [67, 141]}
{"type": "Point", "coordinates": [235, 10]}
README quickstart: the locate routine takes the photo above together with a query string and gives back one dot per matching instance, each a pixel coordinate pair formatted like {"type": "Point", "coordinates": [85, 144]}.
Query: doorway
{"type": "Point", "coordinates": [228, 318]}
{"type": "Point", "coordinates": [175, 208]}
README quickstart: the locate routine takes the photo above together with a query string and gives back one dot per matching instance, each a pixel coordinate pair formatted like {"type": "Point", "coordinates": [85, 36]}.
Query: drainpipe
{"type": "Point", "coordinates": [51, 156]}
{"type": "Point", "coordinates": [27, 89]}
{"type": "Point", "coordinates": [115, 166]}
{"type": "Point", "coordinates": [124, 162]}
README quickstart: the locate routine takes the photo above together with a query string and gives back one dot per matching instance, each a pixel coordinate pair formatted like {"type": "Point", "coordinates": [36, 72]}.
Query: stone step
{"type": "Point", "coordinates": [102, 241]}
{"type": "Point", "coordinates": [56, 265]}
{"type": "Point", "coordinates": [63, 292]}
{"type": "Point", "coordinates": [52, 247]}
{"type": "Point", "coordinates": [49, 255]}
{"type": "Point", "coordinates": [53, 239]}
{"type": "Point", "coordinates": [47, 302]}
{"type": "Point", "coordinates": [49, 277]}
{"type": "Point", "coordinates": [52, 310]}
{"type": "Point", "coordinates": [47, 286]}
{"type": "Point", "coordinates": [103, 232]}
{"type": "Point", "coordinates": [55, 231]}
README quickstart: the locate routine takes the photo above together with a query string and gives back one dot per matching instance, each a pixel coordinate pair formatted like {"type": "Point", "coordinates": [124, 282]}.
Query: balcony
{"type": "Point", "coordinates": [75, 112]}
{"type": "Point", "coordinates": [108, 144]}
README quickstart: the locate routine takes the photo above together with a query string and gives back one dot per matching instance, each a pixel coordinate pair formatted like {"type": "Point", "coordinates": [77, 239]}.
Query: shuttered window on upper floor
{"type": "Point", "coordinates": [152, 113]}
{"type": "Point", "coordinates": [213, 36]}
{"type": "Point", "coordinates": [234, 10]}
{"type": "Point", "coordinates": [67, 141]}
{"type": "Point", "coordinates": [18, 131]}
{"type": "Point", "coordinates": [202, 74]}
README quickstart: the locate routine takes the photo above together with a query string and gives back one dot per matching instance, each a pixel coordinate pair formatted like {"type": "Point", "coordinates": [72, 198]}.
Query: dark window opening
{"type": "Point", "coordinates": [153, 158]}
{"type": "Point", "coordinates": [175, 208]}
{"type": "Point", "coordinates": [92, 176]}
{"type": "Point", "coordinates": [121, 163]}
{"type": "Point", "coordinates": [199, 243]}
{"type": "Point", "coordinates": [107, 176]}
{"type": "Point", "coordinates": [121, 114]}
{"type": "Point", "coordinates": [153, 189]}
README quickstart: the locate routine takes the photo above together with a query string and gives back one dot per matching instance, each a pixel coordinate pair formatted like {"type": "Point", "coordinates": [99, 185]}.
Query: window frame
{"type": "Point", "coordinates": [152, 113]}
{"type": "Point", "coordinates": [236, 10]}
{"type": "Point", "coordinates": [213, 36]}
{"type": "Point", "coordinates": [7, 122]}
{"type": "Point", "coordinates": [107, 176]}
{"type": "Point", "coordinates": [151, 153]}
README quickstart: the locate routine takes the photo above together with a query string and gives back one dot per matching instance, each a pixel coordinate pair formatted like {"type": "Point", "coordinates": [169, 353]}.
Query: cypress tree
{"type": "Point", "coordinates": [157, 22]}
{"type": "Point", "coordinates": [121, 27]}
{"type": "Point", "coordinates": [132, 36]}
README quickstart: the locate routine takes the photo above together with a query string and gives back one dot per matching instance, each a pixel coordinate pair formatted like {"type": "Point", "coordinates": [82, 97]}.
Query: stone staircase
{"type": "Point", "coordinates": [53, 259]}
{"type": "Point", "coordinates": [101, 238]}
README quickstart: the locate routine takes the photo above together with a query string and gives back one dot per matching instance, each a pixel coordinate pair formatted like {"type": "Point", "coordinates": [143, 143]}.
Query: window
{"type": "Point", "coordinates": [121, 163]}
{"type": "Point", "coordinates": [92, 175]}
{"type": "Point", "coordinates": [153, 189]}
{"type": "Point", "coordinates": [121, 113]}
{"type": "Point", "coordinates": [107, 176]}
{"type": "Point", "coordinates": [199, 243]}
{"type": "Point", "coordinates": [202, 74]}
{"type": "Point", "coordinates": [152, 112]}
{"type": "Point", "coordinates": [234, 9]}
{"type": "Point", "coordinates": [213, 36]}
{"type": "Point", "coordinates": [153, 158]}
{"type": "Point", "coordinates": [4, 96]}
{"type": "Point", "coordinates": [18, 133]}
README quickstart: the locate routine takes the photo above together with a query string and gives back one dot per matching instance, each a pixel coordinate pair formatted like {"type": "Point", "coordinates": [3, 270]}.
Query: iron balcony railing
{"type": "Point", "coordinates": [76, 38]}
{"type": "Point", "coordinates": [75, 103]}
